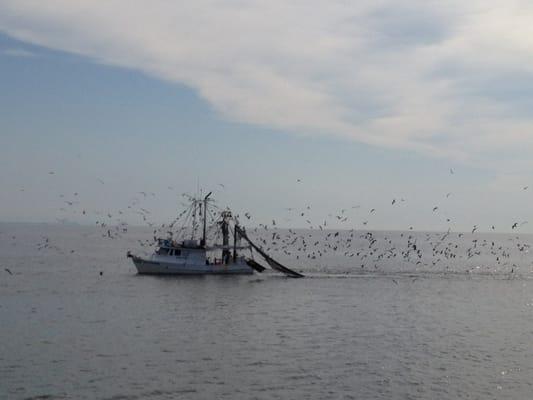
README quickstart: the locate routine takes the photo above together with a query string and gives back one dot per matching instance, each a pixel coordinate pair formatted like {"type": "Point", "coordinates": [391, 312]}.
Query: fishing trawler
{"type": "Point", "coordinates": [195, 257]}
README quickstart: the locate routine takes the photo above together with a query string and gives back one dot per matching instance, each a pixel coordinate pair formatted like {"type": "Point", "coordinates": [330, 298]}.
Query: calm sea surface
{"type": "Point", "coordinates": [451, 319]}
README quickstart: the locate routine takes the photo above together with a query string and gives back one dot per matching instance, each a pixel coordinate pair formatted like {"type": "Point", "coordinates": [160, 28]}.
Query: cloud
{"type": "Point", "coordinates": [447, 79]}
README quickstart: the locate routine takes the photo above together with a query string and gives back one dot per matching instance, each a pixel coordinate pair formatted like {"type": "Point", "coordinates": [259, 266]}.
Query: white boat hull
{"type": "Point", "coordinates": [161, 267]}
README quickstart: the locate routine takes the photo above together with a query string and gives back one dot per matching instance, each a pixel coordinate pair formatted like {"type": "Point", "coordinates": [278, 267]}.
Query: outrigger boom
{"type": "Point", "coordinates": [273, 263]}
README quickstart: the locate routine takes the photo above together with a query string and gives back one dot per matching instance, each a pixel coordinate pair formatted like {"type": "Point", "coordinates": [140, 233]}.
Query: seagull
{"type": "Point", "coordinates": [8, 271]}
{"type": "Point", "coordinates": [435, 208]}
{"type": "Point", "coordinates": [514, 225]}
{"type": "Point", "coordinates": [525, 187]}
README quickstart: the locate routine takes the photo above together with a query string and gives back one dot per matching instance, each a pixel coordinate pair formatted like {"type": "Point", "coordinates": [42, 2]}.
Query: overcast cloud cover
{"type": "Point", "coordinates": [445, 78]}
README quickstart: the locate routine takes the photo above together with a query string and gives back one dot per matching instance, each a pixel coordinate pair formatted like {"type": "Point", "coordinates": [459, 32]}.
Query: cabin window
{"type": "Point", "coordinates": [162, 251]}
{"type": "Point", "coordinates": [177, 252]}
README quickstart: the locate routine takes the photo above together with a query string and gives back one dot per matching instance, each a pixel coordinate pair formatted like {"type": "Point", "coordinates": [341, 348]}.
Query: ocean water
{"type": "Point", "coordinates": [373, 319]}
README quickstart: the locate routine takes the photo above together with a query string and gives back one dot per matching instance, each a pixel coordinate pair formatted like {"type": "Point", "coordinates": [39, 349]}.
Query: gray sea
{"type": "Point", "coordinates": [375, 318]}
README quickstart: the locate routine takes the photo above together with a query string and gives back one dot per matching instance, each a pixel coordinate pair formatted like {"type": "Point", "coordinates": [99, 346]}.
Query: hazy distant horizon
{"type": "Point", "coordinates": [284, 228]}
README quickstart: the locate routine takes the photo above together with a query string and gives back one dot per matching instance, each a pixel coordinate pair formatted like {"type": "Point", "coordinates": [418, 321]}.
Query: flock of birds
{"type": "Point", "coordinates": [372, 250]}
{"type": "Point", "coordinates": [318, 241]}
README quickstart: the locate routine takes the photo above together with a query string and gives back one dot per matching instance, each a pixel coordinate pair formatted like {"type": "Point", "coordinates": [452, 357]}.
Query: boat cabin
{"type": "Point", "coordinates": [168, 247]}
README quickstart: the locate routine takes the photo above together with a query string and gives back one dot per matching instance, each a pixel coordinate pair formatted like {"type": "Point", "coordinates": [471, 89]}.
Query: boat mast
{"type": "Point", "coordinates": [235, 243]}
{"type": "Point", "coordinates": [224, 225]}
{"type": "Point", "coordinates": [203, 242]}
{"type": "Point", "coordinates": [193, 230]}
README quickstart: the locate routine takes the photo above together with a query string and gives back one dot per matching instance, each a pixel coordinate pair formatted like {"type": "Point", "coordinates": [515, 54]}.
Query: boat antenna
{"type": "Point", "coordinates": [205, 219]}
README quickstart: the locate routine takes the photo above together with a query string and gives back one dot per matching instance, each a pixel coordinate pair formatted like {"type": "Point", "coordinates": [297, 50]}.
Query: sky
{"type": "Point", "coordinates": [316, 106]}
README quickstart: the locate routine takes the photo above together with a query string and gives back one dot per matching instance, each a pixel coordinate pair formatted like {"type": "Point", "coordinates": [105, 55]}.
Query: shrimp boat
{"type": "Point", "coordinates": [195, 257]}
